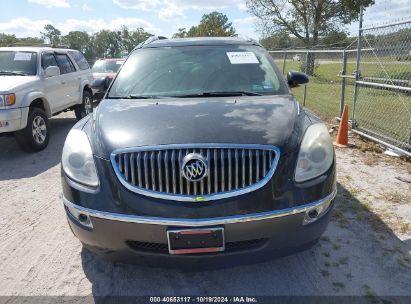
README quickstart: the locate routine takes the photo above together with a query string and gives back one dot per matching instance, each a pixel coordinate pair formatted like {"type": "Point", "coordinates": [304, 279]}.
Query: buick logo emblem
{"type": "Point", "coordinates": [194, 167]}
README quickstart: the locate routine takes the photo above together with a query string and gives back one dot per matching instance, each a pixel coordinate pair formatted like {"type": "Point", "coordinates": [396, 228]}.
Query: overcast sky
{"type": "Point", "coordinates": [159, 17]}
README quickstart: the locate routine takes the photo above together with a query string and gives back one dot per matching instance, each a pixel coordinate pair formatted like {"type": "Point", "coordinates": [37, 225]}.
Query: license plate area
{"type": "Point", "coordinates": [191, 241]}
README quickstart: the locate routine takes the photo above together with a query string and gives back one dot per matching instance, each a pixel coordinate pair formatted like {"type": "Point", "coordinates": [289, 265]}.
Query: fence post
{"type": "Point", "coordinates": [306, 71]}
{"type": "Point", "coordinates": [343, 74]}
{"type": "Point", "coordinates": [285, 58]}
{"type": "Point", "coordinates": [357, 71]}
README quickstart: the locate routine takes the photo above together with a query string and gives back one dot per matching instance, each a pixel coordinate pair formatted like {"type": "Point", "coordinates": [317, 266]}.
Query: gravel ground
{"type": "Point", "coordinates": [365, 250]}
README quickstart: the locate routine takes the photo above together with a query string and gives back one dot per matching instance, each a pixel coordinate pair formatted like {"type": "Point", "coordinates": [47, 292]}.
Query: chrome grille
{"type": "Point", "coordinates": [232, 170]}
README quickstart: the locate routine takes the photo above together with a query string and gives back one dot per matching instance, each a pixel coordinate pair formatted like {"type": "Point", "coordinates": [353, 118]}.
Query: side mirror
{"type": "Point", "coordinates": [101, 84]}
{"type": "Point", "coordinates": [52, 71]}
{"type": "Point", "coordinates": [296, 78]}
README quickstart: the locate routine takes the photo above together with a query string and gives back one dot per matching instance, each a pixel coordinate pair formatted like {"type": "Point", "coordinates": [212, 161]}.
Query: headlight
{"type": "Point", "coordinates": [316, 153]}
{"type": "Point", "coordinates": [77, 160]}
{"type": "Point", "coordinates": [8, 99]}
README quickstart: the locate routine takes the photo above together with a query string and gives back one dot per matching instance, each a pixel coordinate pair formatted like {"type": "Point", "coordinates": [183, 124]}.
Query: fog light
{"type": "Point", "coordinates": [4, 124]}
{"type": "Point", "coordinates": [81, 218]}
{"type": "Point", "coordinates": [315, 213]}
{"type": "Point", "coordinates": [312, 214]}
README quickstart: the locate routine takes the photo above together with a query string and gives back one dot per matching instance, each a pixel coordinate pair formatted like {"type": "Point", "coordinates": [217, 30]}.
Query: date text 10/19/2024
{"type": "Point", "coordinates": [200, 299]}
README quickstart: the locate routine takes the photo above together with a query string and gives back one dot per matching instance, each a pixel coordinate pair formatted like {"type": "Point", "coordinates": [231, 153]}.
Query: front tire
{"type": "Point", "coordinates": [35, 136]}
{"type": "Point", "coordinates": [86, 107]}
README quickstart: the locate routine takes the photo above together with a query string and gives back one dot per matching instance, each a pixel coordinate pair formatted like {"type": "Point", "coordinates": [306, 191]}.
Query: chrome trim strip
{"type": "Point", "coordinates": [79, 186]}
{"type": "Point", "coordinates": [199, 222]}
{"type": "Point", "coordinates": [236, 167]}
{"type": "Point", "coordinates": [139, 171]}
{"type": "Point", "coordinates": [264, 162]}
{"type": "Point", "coordinates": [166, 169]}
{"type": "Point", "coordinates": [133, 175]}
{"type": "Point", "coordinates": [193, 198]}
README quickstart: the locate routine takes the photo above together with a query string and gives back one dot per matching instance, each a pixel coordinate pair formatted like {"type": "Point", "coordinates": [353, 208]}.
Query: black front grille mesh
{"type": "Point", "coordinates": [163, 248]}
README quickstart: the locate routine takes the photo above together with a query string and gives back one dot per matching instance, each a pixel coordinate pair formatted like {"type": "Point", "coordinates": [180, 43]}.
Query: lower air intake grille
{"type": "Point", "coordinates": [163, 248]}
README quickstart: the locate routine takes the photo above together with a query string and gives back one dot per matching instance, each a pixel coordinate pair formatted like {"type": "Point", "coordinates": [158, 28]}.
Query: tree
{"type": "Point", "coordinates": [335, 38]}
{"type": "Point", "coordinates": [130, 39]}
{"type": "Point", "coordinates": [308, 20]}
{"type": "Point", "coordinates": [279, 40]}
{"type": "Point", "coordinates": [31, 40]}
{"type": "Point", "coordinates": [182, 33]}
{"type": "Point", "coordinates": [6, 39]}
{"type": "Point", "coordinates": [51, 34]}
{"type": "Point", "coordinates": [214, 24]}
{"type": "Point", "coordinates": [107, 43]}
{"type": "Point", "coordinates": [77, 40]}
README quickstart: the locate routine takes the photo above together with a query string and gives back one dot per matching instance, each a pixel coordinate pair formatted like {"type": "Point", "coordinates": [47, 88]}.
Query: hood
{"type": "Point", "coordinates": [100, 75]}
{"type": "Point", "coordinates": [268, 120]}
{"type": "Point", "coordinates": [9, 83]}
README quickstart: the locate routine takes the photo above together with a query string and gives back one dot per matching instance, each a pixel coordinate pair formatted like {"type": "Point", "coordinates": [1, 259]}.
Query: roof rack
{"type": "Point", "coordinates": [248, 38]}
{"type": "Point", "coordinates": [22, 44]}
{"type": "Point", "coordinates": [149, 40]}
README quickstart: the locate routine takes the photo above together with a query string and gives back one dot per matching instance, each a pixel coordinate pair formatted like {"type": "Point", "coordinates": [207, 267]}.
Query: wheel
{"type": "Point", "coordinates": [35, 136]}
{"type": "Point", "coordinates": [86, 107]}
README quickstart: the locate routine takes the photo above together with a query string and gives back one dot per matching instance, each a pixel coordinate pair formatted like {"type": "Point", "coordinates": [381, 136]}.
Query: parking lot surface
{"type": "Point", "coordinates": [365, 250]}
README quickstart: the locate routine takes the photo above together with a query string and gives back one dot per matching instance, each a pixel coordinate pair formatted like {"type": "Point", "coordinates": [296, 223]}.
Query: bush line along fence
{"type": "Point", "coordinates": [374, 80]}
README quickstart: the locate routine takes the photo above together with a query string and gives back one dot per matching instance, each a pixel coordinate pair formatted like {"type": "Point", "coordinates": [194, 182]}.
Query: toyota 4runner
{"type": "Point", "coordinates": [37, 83]}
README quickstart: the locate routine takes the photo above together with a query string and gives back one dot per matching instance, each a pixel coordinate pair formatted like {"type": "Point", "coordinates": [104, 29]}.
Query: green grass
{"type": "Point", "coordinates": [384, 112]}
{"type": "Point", "coordinates": [329, 71]}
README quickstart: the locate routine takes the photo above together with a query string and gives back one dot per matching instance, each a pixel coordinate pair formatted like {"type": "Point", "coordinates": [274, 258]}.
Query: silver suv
{"type": "Point", "coordinates": [37, 83]}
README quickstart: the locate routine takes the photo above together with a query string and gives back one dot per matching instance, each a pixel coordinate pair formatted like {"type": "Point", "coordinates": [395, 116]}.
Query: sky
{"type": "Point", "coordinates": [159, 17]}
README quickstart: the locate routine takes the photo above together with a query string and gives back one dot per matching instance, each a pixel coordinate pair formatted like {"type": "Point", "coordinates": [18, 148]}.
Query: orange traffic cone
{"type": "Point", "coordinates": [342, 136]}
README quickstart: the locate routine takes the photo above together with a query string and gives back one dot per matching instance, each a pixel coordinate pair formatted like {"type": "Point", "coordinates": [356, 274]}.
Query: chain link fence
{"type": "Point", "coordinates": [324, 93]}
{"type": "Point", "coordinates": [383, 99]}
{"type": "Point", "coordinates": [379, 97]}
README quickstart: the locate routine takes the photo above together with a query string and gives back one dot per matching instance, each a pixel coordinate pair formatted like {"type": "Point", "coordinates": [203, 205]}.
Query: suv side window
{"type": "Point", "coordinates": [47, 60]}
{"type": "Point", "coordinates": [65, 64]}
{"type": "Point", "coordinates": [80, 60]}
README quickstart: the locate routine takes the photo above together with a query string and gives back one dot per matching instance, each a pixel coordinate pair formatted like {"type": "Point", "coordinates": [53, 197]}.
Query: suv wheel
{"type": "Point", "coordinates": [35, 136]}
{"type": "Point", "coordinates": [86, 107]}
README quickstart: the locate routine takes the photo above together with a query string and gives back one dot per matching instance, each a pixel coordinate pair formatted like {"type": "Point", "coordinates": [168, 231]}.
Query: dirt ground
{"type": "Point", "coordinates": [365, 250]}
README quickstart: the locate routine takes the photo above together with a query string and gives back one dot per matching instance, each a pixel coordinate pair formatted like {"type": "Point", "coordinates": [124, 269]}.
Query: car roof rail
{"type": "Point", "coordinates": [29, 44]}
{"type": "Point", "coordinates": [149, 40]}
{"type": "Point", "coordinates": [23, 44]}
{"type": "Point", "coordinates": [249, 39]}
{"type": "Point", "coordinates": [60, 46]}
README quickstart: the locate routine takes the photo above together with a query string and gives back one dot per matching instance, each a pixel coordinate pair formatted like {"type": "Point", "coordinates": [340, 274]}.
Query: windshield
{"type": "Point", "coordinates": [18, 63]}
{"type": "Point", "coordinates": [107, 66]}
{"type": "Point", "coordinates": [198, 70]}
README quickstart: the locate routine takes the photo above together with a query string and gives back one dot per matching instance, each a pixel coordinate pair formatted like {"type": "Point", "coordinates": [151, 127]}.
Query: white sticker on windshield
{"type": "Point", "coordinates": [242, 57]}
{"type": "Point", "coordinates": [119, 62]}
{"type": "Point", "coordinates": [22, 57]}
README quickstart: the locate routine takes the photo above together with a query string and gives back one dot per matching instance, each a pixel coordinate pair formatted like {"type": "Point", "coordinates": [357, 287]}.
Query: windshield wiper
{"type": "Point", "coordinates": [204, 94]}
{"type": "Point", "coordinates": [220, 94]}
{"type": "Point", "coordinates": [14, 73]}
{"type": "Point", "coordinates": [137, 97]}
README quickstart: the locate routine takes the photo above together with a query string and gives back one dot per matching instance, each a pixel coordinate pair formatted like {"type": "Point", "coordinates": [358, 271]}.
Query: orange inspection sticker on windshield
{"type": "Point", "coordinates": [242, 57]}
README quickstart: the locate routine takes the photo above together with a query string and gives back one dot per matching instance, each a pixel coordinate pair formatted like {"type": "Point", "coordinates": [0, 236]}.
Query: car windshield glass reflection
{"type": "Point", "coordinates": [109, 66]}
{"type": "Point", "coordinates": [18, 63]}
{"type": "Point", "coordinates": [198, 71]}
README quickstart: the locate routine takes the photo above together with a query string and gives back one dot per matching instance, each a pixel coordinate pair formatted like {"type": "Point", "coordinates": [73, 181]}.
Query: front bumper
{"type": "Point", "coordinates": [141, 239]}
{"type": "Point", "coordinates": [10, 120]}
